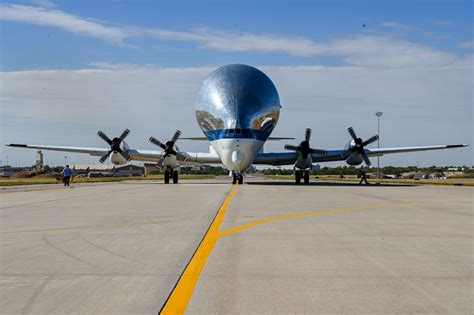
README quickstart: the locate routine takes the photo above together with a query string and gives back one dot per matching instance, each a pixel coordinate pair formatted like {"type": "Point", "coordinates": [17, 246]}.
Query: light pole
{"type": "Point", "coordinates": [378, 114]}
{"type": "Point", "coordinates": [65, 160]}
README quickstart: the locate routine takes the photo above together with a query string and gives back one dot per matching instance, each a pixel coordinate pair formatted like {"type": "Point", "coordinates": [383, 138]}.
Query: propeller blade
{"type": "Point", "coordinates": [291, 147]}
{"type": "Point", "coordinates": [105, 157]}
{"type": "Point", "coordinates": [352, 133]}
{"type": "Point", "coordinates": [104, 137]}
{"type": "Point", "coordinates": [175, 136]}
{"type": "Point", "coordinates": [160, 162]}
{"type": "Point", "coordinates": [370, 140]}
{"type": "Point", "coordinates": [365, 158]}
{"type": "Point", "coordinates": [126, 156]}
{"type": "Point", "coordinates": [318, 151]}
{"type": "Point", "coordinates": [124, 134]}
{"type": "Point", "coordinates": [307, 135]}
{"type": "Point", "coordinates": [157, 142]}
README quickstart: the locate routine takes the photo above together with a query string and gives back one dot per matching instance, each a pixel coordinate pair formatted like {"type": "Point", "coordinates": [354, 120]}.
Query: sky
{"type": "Point", "coordinates": [70, 68]}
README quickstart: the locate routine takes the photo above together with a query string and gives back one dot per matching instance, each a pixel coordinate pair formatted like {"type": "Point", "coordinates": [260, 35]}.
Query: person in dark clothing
{"type": "Point", "coordinates": [67, 175]}
{"type": "Point", "coordinates": [363, 177]}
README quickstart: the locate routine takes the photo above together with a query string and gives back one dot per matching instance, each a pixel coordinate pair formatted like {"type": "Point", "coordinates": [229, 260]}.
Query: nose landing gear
{"type": "Point", "coordinates": [237, 178]}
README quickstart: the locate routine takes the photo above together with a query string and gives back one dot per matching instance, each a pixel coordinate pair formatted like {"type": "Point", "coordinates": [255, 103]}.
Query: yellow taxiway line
{"type": "Point", "coordinates": [181, 294]}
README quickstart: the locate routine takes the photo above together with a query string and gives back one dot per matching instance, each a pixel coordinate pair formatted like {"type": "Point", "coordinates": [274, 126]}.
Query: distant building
{"type": "Point", "coordinates": [150, 167]}
{"type": "Point", "coordinates": [85, 168]}
{"type": "Point", "coordinates": [455, 171]}
{"type": "Point", "coordinates": [130, 170]}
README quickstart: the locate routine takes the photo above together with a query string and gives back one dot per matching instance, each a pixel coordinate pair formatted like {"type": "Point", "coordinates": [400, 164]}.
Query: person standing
{"type": "Point", "coordinates": [363, 177]}
{"type": "Point", "coordinates": [67, 175]}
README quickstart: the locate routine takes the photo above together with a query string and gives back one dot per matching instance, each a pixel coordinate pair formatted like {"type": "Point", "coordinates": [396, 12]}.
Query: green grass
{"type": "Point", "coordinates": [449, 181]}
{"type": "Point", "coordinates": [43, 181]}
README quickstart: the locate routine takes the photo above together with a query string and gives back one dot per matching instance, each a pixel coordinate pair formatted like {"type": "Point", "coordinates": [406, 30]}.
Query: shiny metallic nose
{"type": "Point", "coordinates": [237, 157]}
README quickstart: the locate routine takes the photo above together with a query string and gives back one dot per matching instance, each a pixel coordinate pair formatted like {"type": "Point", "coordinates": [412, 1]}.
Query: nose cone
{"type": "Point", "coordinates": [237, 96]}
{"type": "Point", "coordinates": [237, 157]}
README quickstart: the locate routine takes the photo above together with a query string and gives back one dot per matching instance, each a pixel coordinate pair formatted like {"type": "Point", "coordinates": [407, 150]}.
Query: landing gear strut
{"type": "Point", "coordinates": [300, 174]}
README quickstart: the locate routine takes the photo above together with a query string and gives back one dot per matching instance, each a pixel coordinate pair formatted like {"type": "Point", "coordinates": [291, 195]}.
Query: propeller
{"type": "Point", "coordinates": [359, 144]}
{"type": "Point", "coordinates": [168, 147]}
{"type": "Point", "coordinates": [114, 145]}
{"type": "Point", "coordinates": [304, 146]}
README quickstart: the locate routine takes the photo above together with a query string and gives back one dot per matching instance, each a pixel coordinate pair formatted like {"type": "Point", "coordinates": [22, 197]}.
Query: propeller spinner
{"type": "Point", "coordinates": [304, 146]}
{"type": "Point", "coordinates": [359, 145]}
{"type": "Point", "coordinates": [168, 147]}
{"type": "Point", "coordinates": [115, 145]}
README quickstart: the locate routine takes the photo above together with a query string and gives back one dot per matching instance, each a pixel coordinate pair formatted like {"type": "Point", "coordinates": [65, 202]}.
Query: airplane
{"type": "Point", "coordinates": [237, 108]}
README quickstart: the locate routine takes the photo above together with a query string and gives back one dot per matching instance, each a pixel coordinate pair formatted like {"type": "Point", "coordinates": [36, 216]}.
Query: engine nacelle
{"type": "Point", "coordinates": [117, 159]}
{"type": "Point", "coordinates": [302, 163]}
{"type": "Point", "coordinates": [354, 159]}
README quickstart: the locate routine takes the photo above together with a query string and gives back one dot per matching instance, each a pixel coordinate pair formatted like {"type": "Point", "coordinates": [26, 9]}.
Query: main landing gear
{"type": "Point", "coordinates": [237, 178]}
{"type": "Point", "coordinates": [300, 174]}
{"type": "Point", "coordinates": [171, 175]}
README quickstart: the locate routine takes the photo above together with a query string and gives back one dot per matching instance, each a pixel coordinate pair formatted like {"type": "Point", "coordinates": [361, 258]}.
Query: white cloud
{"type": "Point", "coordinates": [444, 23]}
{"type": "Point", "coordinates": [62, 20]}
{"type": "Point", "coordinates": [44, 3]}
{"type": "Point", "coordinates": [67, 107]}
{"type": "Point", "coordinates": [361, 50]}
{"type": "Point", "coordinates": [379, 51]}
{"type": "Point", "coordinates": [235, 41]}
{"type": "Point", "coordinates": [413, 29]}
{"type": "Point", "coordinates": [467, 45]}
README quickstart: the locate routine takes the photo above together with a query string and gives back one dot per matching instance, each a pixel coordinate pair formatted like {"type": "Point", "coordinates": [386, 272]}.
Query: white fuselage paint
{"type": "Point", "coordinates": [237, 154]}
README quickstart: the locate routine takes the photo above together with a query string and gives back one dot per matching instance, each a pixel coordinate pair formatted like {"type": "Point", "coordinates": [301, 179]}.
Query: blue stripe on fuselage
{"type": "Point", "coordinates": [237, 133]}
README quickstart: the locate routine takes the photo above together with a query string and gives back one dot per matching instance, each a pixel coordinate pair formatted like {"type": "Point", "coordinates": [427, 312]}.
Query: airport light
{"type": "Point", "coordinates": [378, 114]}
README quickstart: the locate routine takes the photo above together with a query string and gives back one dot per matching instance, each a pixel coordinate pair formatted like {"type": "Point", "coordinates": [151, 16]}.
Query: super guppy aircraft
{"type": "Point", "coordinates": [237, 108]}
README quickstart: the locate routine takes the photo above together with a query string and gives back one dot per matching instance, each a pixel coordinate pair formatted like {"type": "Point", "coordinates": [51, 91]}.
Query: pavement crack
{"type": "Point", "coordinates": [29, 304]}
{"type": "Point", "coordinates": [109, 251]}
{"type": "Point", "coordinates": [52, 245]}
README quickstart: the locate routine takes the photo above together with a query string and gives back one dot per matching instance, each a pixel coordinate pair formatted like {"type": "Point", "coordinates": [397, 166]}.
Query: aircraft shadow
{"type": "Point", "coordinates": [334, 184]}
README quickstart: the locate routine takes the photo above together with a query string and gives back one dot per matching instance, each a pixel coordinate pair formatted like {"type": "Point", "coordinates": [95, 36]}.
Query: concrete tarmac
{"type": "Point", "coordinates": [267, 247]}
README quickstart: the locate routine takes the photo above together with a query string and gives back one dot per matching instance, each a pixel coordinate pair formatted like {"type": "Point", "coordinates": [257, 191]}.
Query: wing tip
{"type": "Point", "coordinates": [17, 145]}
{"type": "Point", "coordinates": [457, 145]}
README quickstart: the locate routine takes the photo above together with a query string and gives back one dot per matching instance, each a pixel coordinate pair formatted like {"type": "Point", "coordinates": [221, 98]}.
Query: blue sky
{"type": "Point", "coordinates": [413, 60]}
{"type": "Point", "coordinates": [443, 25]}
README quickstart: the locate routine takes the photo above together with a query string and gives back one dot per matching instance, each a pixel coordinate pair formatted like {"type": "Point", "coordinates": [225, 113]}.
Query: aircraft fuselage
{"type": "Point", "coordinates": [237, 108]}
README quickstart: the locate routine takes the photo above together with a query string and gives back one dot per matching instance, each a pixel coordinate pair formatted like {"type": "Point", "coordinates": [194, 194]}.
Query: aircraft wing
{"type": "Point", "coordinates": [287, 158]}
{"type": "Point", "coordinates": [135, 154]}
{"type": "Point", "coordinates": [91, 151]}
{"type": "Point", "coordinates": [382, 151]}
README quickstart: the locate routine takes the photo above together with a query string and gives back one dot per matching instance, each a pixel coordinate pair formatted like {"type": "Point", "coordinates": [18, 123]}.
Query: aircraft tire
{"type": "Point", "coordinates": [167, 177]}
{"type": "Point", "coordinates": [241, 179]}
{"type": "Point", "coordinates": [175, 176]}
{"type": "Point", "coordinates": [298, 177]}
{"type": "Point", "coordinates": [306, 177]}
{"type": "Point", "coordinates": [234, 179]}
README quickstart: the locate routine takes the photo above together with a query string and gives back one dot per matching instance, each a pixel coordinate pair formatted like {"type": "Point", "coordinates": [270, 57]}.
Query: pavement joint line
{"type": "Point", "coordinates": [182, 292]}
{"type": "Point", "coordinates": [84, 227]}
{"type": "Point", "coordinates": [306, 213]}
{"type": "Point", "coordinates": [67, 198]}
{"type": "Point", "coordinates": [59, 186]}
